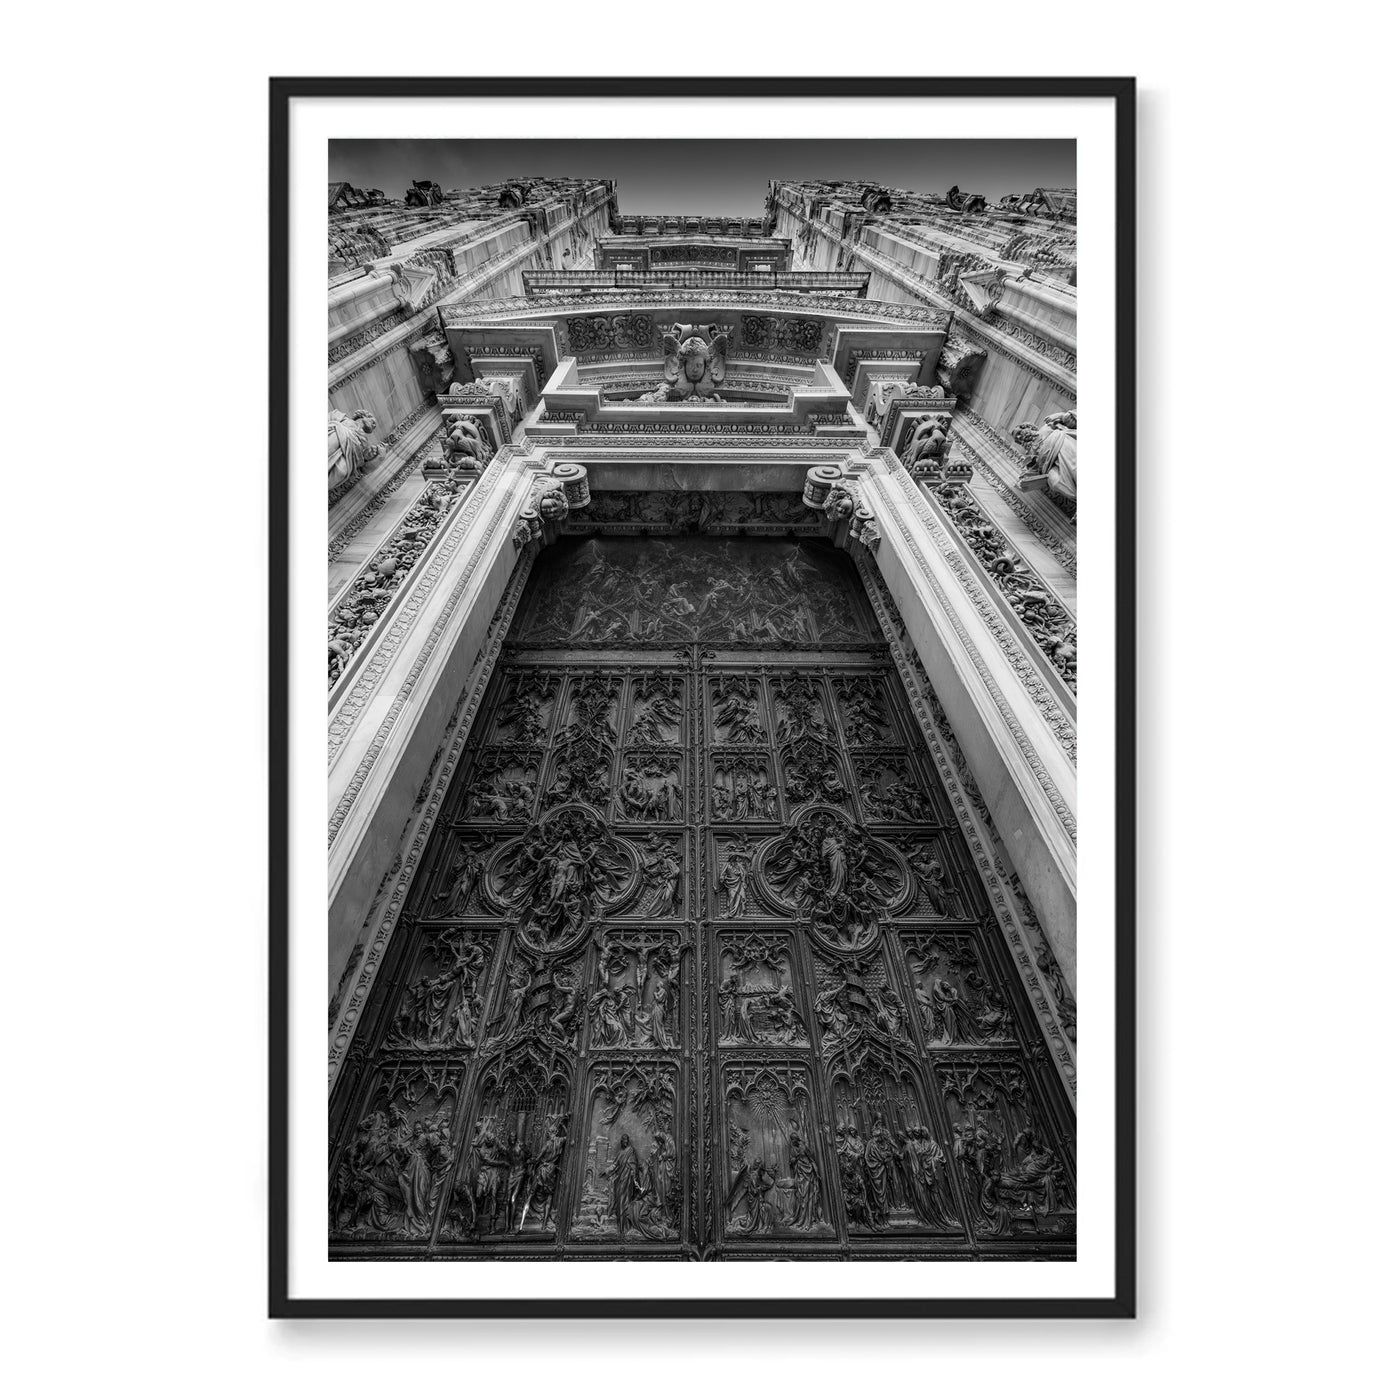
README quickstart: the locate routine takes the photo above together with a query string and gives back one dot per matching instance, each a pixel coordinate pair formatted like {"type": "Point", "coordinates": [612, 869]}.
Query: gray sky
{"type": "Point", "coordinates": [708, 177]}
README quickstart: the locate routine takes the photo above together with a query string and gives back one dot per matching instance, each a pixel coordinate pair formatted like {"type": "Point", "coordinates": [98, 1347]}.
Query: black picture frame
{"type": "Point", "coordinates": [1122, 92]}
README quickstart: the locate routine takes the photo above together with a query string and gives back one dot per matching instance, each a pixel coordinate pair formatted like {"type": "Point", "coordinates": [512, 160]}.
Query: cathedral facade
{"type": "Point", "coordinates": [702, 725]}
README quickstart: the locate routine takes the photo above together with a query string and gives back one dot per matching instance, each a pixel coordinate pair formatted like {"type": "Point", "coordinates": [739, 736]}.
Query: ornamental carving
{"type": "Point", "coordinates": [566, 872]}
{"type": "Point", "coordinates": [1044, 616]}
{"type": "Point", "coordinates": [1052, 455]}
{"type": "Point", "coordinates": [1014, 1179]}
{"type": "Point", "coordinates": [630, 331]}
{"type": "Point", "coordinates": [348, 445]}
{"type": "Point", "coordinates": [840, 500]}
{"type": "Point", "coordinates": [960, 365]}
{"type": "Point", "coordinates": [791, 334]}
{"type": "Point", "coordinates": [631, 1183]}
{"type": "Point", "coordinates": [442, 1006]}
{"type": "Point", "coordinates": [837, 880]}
{"type": "Point", "coordinates": [956, 1003]}
{"type": "Point", "coordinates": [775, 1184]}
{"type": "Point", "coordinates": [756, 997]}
{"type": "Point", "coordinates": [656, 591]}
{"type": "Point", "coordinates": [432, 358]}
{"type": "Point", "coordinates": [694, 365]}
{"type": "Point", "coordinates": [927, 447]}
{"type": "Point", "coordinates": [644, 1001]}
{"type": "Point", "coordinates": [376, 586]}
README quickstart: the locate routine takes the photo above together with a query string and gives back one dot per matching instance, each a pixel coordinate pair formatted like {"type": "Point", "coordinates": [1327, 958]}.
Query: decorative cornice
{"type": "Point", "coordinates": [552, 305]}
{"type": "Point", "coordinates": [993, 339]}
{"type": "Point", "coordinates": [343, 349]}
{"type": "Point", "coordinates": [1056, 353]}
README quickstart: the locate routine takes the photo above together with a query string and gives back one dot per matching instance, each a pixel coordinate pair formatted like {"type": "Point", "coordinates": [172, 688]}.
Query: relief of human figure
{"type": "Point", "coordinates": [661, 1179]}
{"type": "Point", "coordinates": [833, 856]}
{"type": "Point", "coordinates": [424, 1159]}
{"type": "Point", "coordinates": [806, 1185]}
{"type": "Point", "coordinates": [737, 711]}
{"type": "Point", "coordinates": [1031, 1186]}
{"type": "Point", "coordinates": [605, 1020]}
{"type": "Point", "coordinates": [625, 1170]}
{"type": "Point", "coordinates": [545, 1172]}
{"type": "Point", "coordinates": [734, 884]}
{"type": "Point", "coordinates": [850, 1162]}
{"type": "Point", "coordinates": [933, 880]}
{"type": "Point", "coordinates": [565, 1004]}
{"type": "Point", "coordinates": [491, 1166]}
{"type": "Point", "coordinates": [879, 1164]}
{"type": "Point", "coordinates": [865, 722]}
{"type": "Point", "coordinates": [729, 1008]}
{"type": "Point", "coordinates": [518, 985]}
{"type": "Point", "coordinates": [665, 970]}
{"type": "Point", "coordinates": [927, 1168]}
{"type": "Point", "coordinates": [423, 1016]}
{"type": "Point", "coordinates": [465, 876]}
{"type": "Point", "coordinates": [749, 1194]}
{"type": "Point", "coordinates": [360, 1192]}
{"type": "Point", "coordinates": [951, 1015]}
{"type": "Point", "coordinates": [656, 716]}
{"type": "Point", "coordinates": [788, 1021]}
{"type": "Point", "coordinates": [661, 873]}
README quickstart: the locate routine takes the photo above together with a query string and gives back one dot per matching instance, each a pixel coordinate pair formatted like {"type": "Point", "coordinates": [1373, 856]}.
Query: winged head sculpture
{"type": "Point", "coordinates": [694, 364]}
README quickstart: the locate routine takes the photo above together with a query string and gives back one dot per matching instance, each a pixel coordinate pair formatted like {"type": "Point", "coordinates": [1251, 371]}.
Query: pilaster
{"type": "Point", "coordinates": [391, 707]}
{"type": "Point", "coordinates": [1012, 723]}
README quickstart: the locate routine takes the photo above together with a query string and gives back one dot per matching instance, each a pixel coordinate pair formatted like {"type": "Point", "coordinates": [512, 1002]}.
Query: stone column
{"type": "Point", "coordinates": [390, 710]}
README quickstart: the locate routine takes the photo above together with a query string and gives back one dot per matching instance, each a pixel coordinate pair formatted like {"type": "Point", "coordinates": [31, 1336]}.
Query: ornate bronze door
{"type": "Point", "coordinates": [698, 964]}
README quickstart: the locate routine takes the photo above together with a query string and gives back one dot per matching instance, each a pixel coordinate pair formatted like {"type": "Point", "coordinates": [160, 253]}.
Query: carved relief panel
{"type": "Point", "coordinates": [697, 965]}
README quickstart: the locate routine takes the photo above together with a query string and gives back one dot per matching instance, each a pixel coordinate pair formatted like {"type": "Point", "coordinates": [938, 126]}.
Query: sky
{"type": "Point", "coordinates": [709, 177]}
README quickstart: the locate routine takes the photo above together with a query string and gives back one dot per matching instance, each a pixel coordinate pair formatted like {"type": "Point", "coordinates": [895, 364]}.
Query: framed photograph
{"type": "Point", "coordinates": [710, 875]}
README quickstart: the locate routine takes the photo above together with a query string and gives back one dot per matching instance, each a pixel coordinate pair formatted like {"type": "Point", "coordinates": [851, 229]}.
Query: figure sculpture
{"type": "Point", "coordinates": [466, 443]}
{"type": "Point", "coordinates": [348, 446]}
{"type": "Point", "coordinates": [1052, 454]}
{"type": "Point", "coordinates": [928, 444]}
{"type": "Point", "coordinates": [694, 366]}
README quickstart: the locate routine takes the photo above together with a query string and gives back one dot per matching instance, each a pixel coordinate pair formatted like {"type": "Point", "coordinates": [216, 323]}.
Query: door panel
{"type": "Point", "coordinates": [698, 964]}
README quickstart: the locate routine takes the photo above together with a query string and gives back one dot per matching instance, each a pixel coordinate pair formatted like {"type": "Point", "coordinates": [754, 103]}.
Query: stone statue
{"type": "Point", "coordinates": [928, 444]}
{"type": "Point", "coordinates": [347, 444]}
{"type": "Point", "coordinates": [694, 366]}
{"type": "Point", "coordinates": [1052, 454]}
{"type": "Point", "coordinates": [465, 440]}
